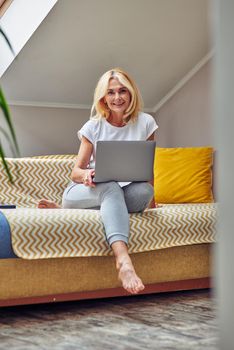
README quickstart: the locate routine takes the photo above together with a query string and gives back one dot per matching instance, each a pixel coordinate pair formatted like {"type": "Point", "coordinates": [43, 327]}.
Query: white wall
{"type": "Point", "coordinates": [46, 130]}
{"type": "Point", "coordinates": [186, 119]}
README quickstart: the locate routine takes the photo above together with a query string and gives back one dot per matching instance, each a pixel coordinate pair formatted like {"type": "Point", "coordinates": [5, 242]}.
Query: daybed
{"type": "Point", "coordinates": [49, 255]}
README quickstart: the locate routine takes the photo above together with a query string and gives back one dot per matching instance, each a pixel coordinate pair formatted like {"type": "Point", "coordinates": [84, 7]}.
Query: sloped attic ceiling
{"type": "Point", "coordinates": [157, 41]}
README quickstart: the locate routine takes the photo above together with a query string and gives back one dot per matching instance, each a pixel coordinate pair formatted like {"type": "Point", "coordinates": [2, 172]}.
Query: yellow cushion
{"type": "Point", "coordinates": [183, 175]}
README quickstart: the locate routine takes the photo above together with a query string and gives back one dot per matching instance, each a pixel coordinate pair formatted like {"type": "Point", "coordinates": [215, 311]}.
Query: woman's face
{"type": "Point", "coordinates": [117, 97]}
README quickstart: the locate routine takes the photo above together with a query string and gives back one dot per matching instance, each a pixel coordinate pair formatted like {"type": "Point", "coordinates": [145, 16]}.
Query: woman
{"type": "Point", "coordinates": [115, 115]}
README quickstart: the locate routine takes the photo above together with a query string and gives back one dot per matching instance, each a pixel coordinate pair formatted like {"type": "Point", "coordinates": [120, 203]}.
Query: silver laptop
{"type": "Point", "coordinates": [124, 161]}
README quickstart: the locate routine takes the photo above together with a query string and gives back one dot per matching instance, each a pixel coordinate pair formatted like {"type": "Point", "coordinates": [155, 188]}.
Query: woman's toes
{"type": "Point", "coordinates": [45, 203]}
{"type": "Point", "coordinates": [41, 205]}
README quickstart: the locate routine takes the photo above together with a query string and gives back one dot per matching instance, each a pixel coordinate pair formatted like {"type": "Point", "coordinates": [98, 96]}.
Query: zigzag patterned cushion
{"type": "Point", "coordinates": [56, 156]}
{"type": "Point", "coordinates": [35, 178]}
{"type": "Point", "coordinates": [54, 233]}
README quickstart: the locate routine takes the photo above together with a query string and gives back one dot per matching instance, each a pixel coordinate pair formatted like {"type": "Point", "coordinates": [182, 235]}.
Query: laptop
{"type": "Point", "coordinates": [124, 161]}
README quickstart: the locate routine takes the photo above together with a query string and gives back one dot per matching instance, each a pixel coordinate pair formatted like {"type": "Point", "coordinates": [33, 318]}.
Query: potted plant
{"type": "Point", "coordinates": [10, 134]}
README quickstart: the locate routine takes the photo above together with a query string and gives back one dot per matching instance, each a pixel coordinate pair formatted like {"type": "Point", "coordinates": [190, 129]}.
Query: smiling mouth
{"type": "Point", "coordinates": [118, 105]}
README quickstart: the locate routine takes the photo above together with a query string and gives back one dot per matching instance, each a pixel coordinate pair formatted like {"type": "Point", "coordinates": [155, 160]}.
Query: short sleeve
{"type": "Point", "coordinates": [87, 130]}
{"type": "Point", "coordinates": [151, 125]}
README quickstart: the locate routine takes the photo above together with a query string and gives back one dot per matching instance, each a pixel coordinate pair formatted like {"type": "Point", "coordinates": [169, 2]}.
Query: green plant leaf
{"type": "Point", "coordinates": [6, 112]}
{"type": "Point", "coordinates": [5, 165]}
{"type": "Point", "coordinates": [12, 147]}
{"type": "Point", "coordinates": [8, 42]}
{"type": "Point", "coordinates": [4, 107]}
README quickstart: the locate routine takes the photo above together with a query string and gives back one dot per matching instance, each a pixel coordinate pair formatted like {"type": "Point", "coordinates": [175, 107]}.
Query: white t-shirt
{"type": "Point", "coordinates": [102, 130]}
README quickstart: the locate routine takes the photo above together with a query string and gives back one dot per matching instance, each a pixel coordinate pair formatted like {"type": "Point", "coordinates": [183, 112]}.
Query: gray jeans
{"type": "Point", "coordinates": [115, 204]}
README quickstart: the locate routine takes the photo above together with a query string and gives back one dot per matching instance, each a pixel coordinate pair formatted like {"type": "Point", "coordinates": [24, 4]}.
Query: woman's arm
{"type": "Point", "coordinates": [80, 173]}
{"type": "Point", "coordinates": [152, 203]}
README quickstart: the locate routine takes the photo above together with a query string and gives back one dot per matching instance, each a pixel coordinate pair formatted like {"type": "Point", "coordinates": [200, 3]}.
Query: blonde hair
{"type": "Point", "coordinates": [99, 108]}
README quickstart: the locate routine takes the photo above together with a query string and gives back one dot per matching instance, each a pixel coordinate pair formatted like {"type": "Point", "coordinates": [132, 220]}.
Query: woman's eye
{"type": "Point", "coordinates": [110, 93]}
{"type": "Point", "coordinates": [123, 91]}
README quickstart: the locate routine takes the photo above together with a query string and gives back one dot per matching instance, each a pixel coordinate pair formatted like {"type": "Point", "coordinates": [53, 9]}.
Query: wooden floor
{"type": "Point", "coordinates": [181, 320]}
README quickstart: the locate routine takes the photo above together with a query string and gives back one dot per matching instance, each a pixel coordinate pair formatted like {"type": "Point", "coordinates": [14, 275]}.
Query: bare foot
{"type": "Point", "coordinates": [127, 275]}
{"type": "Point", "coordinates": [46, 204]}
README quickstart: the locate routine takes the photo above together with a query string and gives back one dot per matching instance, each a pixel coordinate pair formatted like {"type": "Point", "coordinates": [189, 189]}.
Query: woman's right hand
{"type": "Point", "coordinates": [88, 178]}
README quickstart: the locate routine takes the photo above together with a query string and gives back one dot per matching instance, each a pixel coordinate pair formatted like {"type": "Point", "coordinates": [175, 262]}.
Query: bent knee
{"type": "Point", "coordinates": [146, 190]}
{"type": "Point", "coordinates": [139, 197]}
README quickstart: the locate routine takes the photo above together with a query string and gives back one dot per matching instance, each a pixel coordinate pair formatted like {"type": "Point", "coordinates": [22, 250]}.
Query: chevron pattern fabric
{"type": "Point", "coordinates": [35, 178]}
{"type": "Point", "coordinates": [54, 233]}
{"type": "Point", "coordinates": [56, 156]}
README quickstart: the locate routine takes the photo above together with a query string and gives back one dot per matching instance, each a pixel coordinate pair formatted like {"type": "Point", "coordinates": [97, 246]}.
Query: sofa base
{"type": "Point", "coordinates": [48, 280]}
{"type": "Point", "coordinates": [199, 283]}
